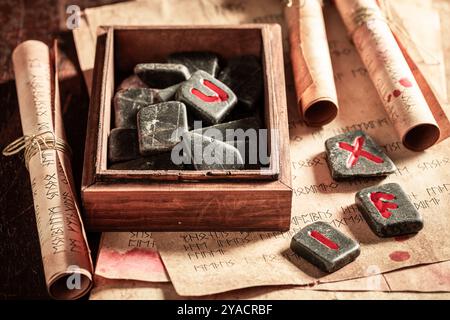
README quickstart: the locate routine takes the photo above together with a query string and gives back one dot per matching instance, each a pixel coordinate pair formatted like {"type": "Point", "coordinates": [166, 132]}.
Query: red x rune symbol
{"type": "Point", "coordinates": [382, 206]}
{"type": "Point", "coordinates": [356, 150]}
{"type": "Point", "coordinates": [218, 94]}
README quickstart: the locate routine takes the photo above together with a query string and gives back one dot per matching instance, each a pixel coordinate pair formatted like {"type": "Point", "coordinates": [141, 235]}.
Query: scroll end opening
{"type": "Point", "coordinates": [320, 113]}
{"type": "Point", "coordinates": [421, 137]}
{"type": "Point", "coordinates": [60, 289]}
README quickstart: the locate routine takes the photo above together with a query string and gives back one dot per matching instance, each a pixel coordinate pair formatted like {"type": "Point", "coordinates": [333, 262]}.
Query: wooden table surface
{"type": "Point", "coordinates": [21, 273]}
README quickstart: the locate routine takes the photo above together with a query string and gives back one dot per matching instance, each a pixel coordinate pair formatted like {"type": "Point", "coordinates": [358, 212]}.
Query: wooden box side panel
{"type": "Point", "coordinates": [276, 97]}
{"type": "Point", "coordinates": [91, 145]}
{"type": "Point", "coordinates": [190, 209]}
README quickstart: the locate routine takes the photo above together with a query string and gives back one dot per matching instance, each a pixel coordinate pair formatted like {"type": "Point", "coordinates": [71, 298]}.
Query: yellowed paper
{"type": "Point", "coordinates": [65, 254]}
{"type": "Point", "coordinates": [130, 255]}
{"type": "Point", "coordinates": [396, 85]}
{"type": "Point", "coordinates": [221, 262]}
{"type": "Point", "coordinates": [85, 46]}
{"type": "Point", "coordinates": [426, 278]}
{"type": "Point", "coordinates": [157, 12]}
{"type": "Point", "coordinates": [311, 63]}
{"type": "Point", "coordinates": [173, 12]}
{"type": "Point", "coordinates": [433, 277]}
{"type": "Point", "coordinates": [137, 290]}
{"type": "Point", "coordinates": [351, 69]}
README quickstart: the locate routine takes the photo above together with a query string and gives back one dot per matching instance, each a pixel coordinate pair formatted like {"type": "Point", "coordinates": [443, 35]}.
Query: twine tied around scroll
{"type": "Point", "coordinates": [36, 143]}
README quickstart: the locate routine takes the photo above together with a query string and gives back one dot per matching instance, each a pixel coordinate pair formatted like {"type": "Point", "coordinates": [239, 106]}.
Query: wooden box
{"type": "Point", "coordinates": [175, 200]}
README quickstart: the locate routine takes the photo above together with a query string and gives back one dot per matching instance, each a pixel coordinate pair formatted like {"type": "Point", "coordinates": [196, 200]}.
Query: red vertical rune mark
{"type": "Point", "coordinates": [218, 96]}
{"type": "Point", "coordinates": [323, 240]}
{"type": "Point", "coordinates": [383, 207]}
{"type": "Point", "coordinates": [357, 151]}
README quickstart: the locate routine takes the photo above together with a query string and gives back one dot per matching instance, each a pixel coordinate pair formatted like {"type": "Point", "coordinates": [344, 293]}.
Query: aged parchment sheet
{"type": "Point", "coordinates": [312, 181]}
{"type": "Point", "coordinates": [137, 290]}
{"type": "Point", "coordinates": [130, 255]}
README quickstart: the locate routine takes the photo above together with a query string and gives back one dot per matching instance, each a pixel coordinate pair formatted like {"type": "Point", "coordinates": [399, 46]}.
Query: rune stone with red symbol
{"type": "Point", "coordinates": [324, 246]}
{"type": "Point", "coordinates": [354, 154]}
{"type": "Point", "coordinates": [207, 97]}
{"type": "Point", "coordinates": [388, 211]}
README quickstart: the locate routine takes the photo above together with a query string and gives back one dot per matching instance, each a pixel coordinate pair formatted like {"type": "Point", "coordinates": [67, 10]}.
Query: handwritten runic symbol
{"type": "Point", "coordinates": [356, 150]}
{"type": "Point", "coordinates": [218, 94]}
{"type": "Point", "coordinates": [383, 207]}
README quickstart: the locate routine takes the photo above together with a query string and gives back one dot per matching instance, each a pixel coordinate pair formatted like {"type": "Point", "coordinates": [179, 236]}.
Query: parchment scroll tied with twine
{"type": "Point", "coordinates": [65, 252]}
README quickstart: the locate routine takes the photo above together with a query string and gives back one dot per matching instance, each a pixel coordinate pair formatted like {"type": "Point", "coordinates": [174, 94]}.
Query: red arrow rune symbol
{"type": "Point", "coordinates": [382, 206]}
{"type": "Point", "coordinates": [218, 96]}
{"type": "Point", "coordinates": [324, 240]}
{"type": "Point", "coordinates": [356, 150]}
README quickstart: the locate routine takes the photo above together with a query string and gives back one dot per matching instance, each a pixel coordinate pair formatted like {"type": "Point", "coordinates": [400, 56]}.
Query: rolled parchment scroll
{"type": "Point", "coordinates": [65, 253]}
{"type": "Point", "coordinates": [311, 62]}
{"type": "Point", "coordinates": [402, 98]}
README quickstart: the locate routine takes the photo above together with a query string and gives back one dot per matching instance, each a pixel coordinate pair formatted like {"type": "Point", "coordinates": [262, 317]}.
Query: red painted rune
{"type": "Point", "coordinates": [218, 96]}
{"type": "Point", "coordinates": [324, 240]}
{"type": "Point", "coordinates": [356, 151]}
{"type": "Point", "coordinates": [405, 82]}
{"type": "Point", "coordinates": [383, 206]}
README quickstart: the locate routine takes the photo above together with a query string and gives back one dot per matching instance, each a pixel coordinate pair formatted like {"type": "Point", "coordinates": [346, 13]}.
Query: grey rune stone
{"type": "Point", "coordinates": [161, 75]}
{"type": "Point", "coordinates": [166, 94]}
{"type": "Point", "coordinates": [243, 75]}
{"type": "Point", "coordinates": [324, 246]}
{"type": "Point", "coordinates": [354, 154]}
{"type": "Point", "coordinates": [194, 61]}
{"type": "Point", "coordinates": [132, 82]}
{"type": "Point", "coordinates": [160, 126]}
{"type": "Point", "coordinates": [388, 211]}
{"type": "Point", "coordinates": [128, 102]}
{"type": "Point", "coordinates": [122, 145]}
{"type": "Point", "coordinates": [241, 134]}
{"type": "Point", "coordinates": [160, 161]}
{"type": "Point", "coordinates": [207, 97]}
{"type": "Point", "coordinates": [204, 153]}
{"type": "Point", "coordinates": [227, 130]}
{"type": "Point", "coordinates": [249, 154]}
